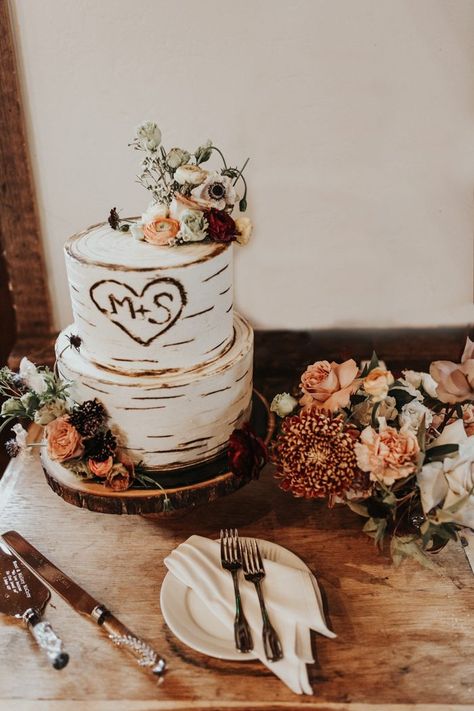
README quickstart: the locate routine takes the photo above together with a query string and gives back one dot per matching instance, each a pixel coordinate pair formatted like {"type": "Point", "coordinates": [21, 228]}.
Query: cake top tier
{"type": "Point", "coordinates": [102, 246]}
{"type": "Point", "coordinates": [141, 308]}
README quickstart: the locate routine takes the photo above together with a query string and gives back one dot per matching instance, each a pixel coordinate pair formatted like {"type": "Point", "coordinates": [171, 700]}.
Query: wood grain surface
{"type": "Point", "coordinates": [405, 636]}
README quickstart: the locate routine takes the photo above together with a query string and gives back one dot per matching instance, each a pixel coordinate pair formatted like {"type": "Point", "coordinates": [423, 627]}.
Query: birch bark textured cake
{"type": "Point", "coordinates": [161, 345]}
{"type": "Point", "coordinates": [154, 376]}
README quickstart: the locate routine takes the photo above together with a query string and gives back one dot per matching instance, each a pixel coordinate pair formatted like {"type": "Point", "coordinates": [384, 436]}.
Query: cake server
{"type": "Point", "coordinates": [85, 604]}
{"type": "Point", "coordinates": [24, 596]}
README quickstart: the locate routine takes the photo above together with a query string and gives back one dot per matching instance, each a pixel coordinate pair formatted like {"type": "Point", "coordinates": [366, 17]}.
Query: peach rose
{"type": "Point", "coordinates": [64, 441]}
{"type": "Point", "coordinates": [388, 454]}
{"type": "Point", "coordinates": [160, 230]}
{"type": "Point", "coordinates": [455, 380]}
{"type": "Point", "coordinates": [327, 385]}
{"type": "Point", "coordinates": [377, 383]}
{"type": "Point", "coordinates": [122, 473]}
{"type": "Point", "coordinates": [100, 469]}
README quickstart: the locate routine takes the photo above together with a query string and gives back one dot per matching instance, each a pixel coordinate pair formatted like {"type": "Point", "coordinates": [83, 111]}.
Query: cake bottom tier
{"type": "Point", "coordinates": [175, 420]}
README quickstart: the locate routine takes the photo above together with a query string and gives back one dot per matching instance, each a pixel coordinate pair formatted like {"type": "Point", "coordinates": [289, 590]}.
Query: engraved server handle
{"type": "Point", "coordinates": [46, 638]}
{"type": "Point", "coordinates": [123, 637]}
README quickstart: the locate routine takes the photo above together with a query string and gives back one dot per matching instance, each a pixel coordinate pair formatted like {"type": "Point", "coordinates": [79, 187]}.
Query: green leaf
{"type": "Point", "coordinates": [373, 418]}
{"type": "Point", "coordinates": [358, 508]}
{"type": "Point", "coordinates": [374, 361]}
{"type": "Point", "coordinates": [402, 547]}
{"type": "Point", "coordinates": [440, 452]}
{"type": "Point", "coordinates": [375, 528]}
{"type": "Point", "coordinates": [402, 396]}
{"type": "Point", "coordinates": [421, 435]}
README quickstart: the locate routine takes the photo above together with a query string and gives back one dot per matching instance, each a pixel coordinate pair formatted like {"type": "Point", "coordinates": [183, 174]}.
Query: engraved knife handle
{"type": "Point", "coordinates": [123, 637]}
{"type": "Point", "coordinates": [46, 638]}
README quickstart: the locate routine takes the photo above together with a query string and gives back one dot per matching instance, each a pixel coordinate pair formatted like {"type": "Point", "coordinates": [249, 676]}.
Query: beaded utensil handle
{"type": "Point", "coordinates": [46, 638]}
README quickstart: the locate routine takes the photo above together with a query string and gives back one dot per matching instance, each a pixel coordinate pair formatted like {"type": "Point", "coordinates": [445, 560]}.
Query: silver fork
{"type": "Point", "coordinates": [231, 560]}
{"type": "Point", "coordinates": [254, 571]}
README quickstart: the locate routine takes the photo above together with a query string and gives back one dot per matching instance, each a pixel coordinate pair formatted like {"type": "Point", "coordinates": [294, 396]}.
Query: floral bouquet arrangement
{"type": "Point", "coordinates": [398, 451]}
{"type": "Point", "coordinates": [190, 203]}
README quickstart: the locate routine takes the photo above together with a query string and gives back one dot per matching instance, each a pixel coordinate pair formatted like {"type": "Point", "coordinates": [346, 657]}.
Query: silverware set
{"type": "Point", "coordinates": [244, 554]}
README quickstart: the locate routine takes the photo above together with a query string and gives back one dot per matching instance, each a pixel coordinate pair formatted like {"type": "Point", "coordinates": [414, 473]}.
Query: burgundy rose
{"type": "Point", "coordinates": [247, 453]}
{"type": "Point", "coordinates": [221, 226]}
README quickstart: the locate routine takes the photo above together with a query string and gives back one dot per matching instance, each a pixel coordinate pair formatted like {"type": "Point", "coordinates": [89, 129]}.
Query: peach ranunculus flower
{"type": "Point", "coordinates": [100, 469]}
{"type": "Point", "coordinates": [161, 230]}
{"type": "Point", "coordinates": [377, 383]}
{"type": "Point", "coordinates": [329, 386]}
{"type": "Point", "coordinates": [389, 454]}
{"type": "Point", "coordinates": [64, 441]}
{"type": "Point", "coordinates": [455, 380]}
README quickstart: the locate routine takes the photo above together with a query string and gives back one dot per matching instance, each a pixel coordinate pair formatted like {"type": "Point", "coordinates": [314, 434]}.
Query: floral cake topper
{"type": "Point", "coordinates": [189, 202]}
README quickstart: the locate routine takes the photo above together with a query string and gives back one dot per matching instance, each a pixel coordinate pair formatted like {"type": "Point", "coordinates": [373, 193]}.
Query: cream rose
{"type": "Point", "coordinates": [444, 484]}
{"type": "Point", "coordinates": [192, 174]}
{"type": "Point", "coordinates": [328, 385]}
{"type": "Point", "coordinates": [283, 404]}
{"type": "Point", "coordinates": [64, 441]}
{"type": "Point", "coordinates": [387, 455]}
{"type": "Point", "coordinates": [377, 383]}
{"type": "Point", "coordinates": [244, 230]}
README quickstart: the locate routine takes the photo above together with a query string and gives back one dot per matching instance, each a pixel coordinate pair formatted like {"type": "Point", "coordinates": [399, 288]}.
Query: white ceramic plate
{"type": "Point", "coordinates": [196, 626]}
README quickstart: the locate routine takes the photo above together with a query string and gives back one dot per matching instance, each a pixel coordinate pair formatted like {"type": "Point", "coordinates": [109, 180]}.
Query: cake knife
{"type": "Point", "coordinates": [85, 604]}
{"type": "Point", "coordinates": [24, 596]}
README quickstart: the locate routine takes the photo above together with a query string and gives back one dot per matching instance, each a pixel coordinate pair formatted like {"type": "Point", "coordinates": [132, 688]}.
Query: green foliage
{"type": "Point", "coordinates": [439, 453]}
{"type": "Point", "coordinates": [402, 547]}
{"type": "Point", "coordinates": [376, 528]}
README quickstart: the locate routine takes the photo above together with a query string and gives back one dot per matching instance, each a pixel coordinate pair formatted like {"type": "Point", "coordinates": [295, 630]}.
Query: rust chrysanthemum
{"type": "Point", "coordinates": [314, 455]}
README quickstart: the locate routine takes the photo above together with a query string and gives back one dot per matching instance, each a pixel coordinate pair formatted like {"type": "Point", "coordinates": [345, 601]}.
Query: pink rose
{"type": "Point", "coordinates": [455, 381]}
{"type": "Point", "coordinates": [328, 385]}
{"type": "Point", "coordinates": [100, 469]}
{"type": "Point", "coordinates": [64, 441]}
{"type": "Point", "coordinates": [388, 454]}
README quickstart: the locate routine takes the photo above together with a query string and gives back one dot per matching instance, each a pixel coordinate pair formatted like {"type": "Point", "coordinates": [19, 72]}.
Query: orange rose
{"type": "Point", "coordinates": [328, 385]}
{"type": "Point", "coordinates": [160, 230]}
{"type": "Point", "coordinates": [100, 469]}
{"type": "Point", "coordinates": [388, 454]}
{"type": "Point", "coordinates": [64, 441]}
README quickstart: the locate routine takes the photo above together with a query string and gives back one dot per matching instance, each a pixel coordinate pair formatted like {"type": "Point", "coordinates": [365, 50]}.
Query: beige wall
{"type": "Point", "coordinates": [358, 116]}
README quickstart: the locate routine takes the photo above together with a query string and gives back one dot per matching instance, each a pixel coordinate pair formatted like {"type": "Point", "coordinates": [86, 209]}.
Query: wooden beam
{"type": "Point", "coordinates": [20, 237]}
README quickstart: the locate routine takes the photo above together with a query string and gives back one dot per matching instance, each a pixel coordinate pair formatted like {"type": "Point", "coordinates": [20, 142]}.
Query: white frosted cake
{"type": "Point", "coordinates": [162, 347]}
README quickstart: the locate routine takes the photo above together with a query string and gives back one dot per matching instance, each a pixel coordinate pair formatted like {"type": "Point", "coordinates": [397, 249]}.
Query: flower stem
{"type": "Point", "coordinates": [448, 414]}
{"type": "Point", "coordinates": [214, 148]}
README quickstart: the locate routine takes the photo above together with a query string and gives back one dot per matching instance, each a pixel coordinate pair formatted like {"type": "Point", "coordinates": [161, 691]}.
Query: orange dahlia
{"type": "Point", "coordinates": [314, 456]}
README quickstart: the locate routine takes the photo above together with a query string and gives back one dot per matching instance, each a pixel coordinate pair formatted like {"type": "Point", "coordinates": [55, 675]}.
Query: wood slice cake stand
{"type": "Point", "coordinates": [183, 489]}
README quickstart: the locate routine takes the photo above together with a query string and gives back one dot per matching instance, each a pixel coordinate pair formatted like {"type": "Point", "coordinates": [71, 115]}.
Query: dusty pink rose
{"type": "Point", "coordinates": [388, 454]}
{"type": "Point", "coordinates": [161, 230]}
{"type": "Point", "coordinates": [328, 385]}
{"type": "Point", "coordinates": [100, 469]}
{"type": "Point", "coordinates": [121, 475]}
{"type": "Point", "coordinates": [455, 381]}
{"type": "Point", "coordinates": [64, 441]}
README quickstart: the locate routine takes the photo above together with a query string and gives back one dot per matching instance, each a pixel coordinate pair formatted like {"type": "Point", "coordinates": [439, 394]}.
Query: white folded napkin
{"type": "Point", "coordinates": [292, 597]}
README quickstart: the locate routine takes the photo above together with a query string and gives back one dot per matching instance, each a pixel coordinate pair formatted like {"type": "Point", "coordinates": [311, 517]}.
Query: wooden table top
{"type": "Point", "coordinates": [405, 636]}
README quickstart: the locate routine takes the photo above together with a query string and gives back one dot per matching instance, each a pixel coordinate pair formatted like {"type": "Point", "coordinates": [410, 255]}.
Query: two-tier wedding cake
{"type": "Point", "coordinates": [161, 348]}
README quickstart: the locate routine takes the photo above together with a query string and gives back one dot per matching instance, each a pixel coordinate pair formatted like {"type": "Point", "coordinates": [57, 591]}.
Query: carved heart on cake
{"type": "Point", "coordinates": [143, 316]}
